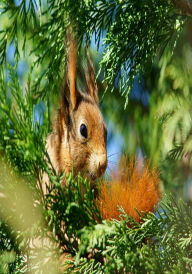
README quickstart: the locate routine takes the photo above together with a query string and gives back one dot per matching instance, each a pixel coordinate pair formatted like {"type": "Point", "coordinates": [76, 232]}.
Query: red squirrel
{"type": "Point", "coordinates": [78, 140]}
{"type": "Point", "coordinates": [78, 143]}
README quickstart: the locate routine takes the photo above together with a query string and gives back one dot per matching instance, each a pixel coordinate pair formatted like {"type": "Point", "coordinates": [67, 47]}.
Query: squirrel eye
{"type": "Point", "coordinates": [83, 130]}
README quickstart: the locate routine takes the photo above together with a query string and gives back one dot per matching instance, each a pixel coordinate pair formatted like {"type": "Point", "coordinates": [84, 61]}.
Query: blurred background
{"type": "Point", "coordinates": [142, 54]}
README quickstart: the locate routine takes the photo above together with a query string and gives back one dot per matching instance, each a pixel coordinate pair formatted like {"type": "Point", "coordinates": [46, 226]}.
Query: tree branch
{"type": "Point", "coordinates": [185, 6]}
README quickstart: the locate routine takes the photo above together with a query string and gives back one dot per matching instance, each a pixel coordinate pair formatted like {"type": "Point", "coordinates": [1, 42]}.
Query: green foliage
{"type": "Point", "coordinates": [23, 18]}
{"type": "Point", "coordinates": [21, 137]}
{"type": "Point", "coordinates": [128, 52]}
{"type": "Point", "coordinates": [174, 109]}
{"type": "Point", "coordinates": [118, 247]}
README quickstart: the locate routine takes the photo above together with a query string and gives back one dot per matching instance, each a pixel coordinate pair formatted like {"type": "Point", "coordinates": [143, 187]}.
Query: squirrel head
{"type": "Point", "coordinates": [80, 129]}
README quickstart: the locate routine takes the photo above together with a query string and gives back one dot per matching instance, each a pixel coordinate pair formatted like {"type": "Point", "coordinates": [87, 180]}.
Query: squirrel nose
{"type": "Point", "coordinates": [102, 165]}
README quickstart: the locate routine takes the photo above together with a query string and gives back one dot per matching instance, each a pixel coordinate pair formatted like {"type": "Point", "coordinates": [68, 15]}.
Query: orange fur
{"type": "Point", "coordinates": [135, 189]}
{"type": "Point", "coordinates": [72, 68]}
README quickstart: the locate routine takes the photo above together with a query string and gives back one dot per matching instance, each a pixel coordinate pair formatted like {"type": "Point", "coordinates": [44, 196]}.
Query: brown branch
{"type": "Point", "coordinates": [185, 6]}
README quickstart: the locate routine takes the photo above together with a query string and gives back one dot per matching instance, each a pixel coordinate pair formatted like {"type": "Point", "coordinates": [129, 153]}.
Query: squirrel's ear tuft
{"type": "Point", "coordinates": [69, 95]}
{"type": "Point", "coordinates": [64, 111]}
{"type": "Point", "coordinates": [72, 70]}
{"type": "Point", "coordinates": [90, 79]}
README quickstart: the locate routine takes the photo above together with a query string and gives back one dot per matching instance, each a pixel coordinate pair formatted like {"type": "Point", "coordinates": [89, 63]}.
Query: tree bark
{"type": "Point", "coordinates": [185, 6]}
